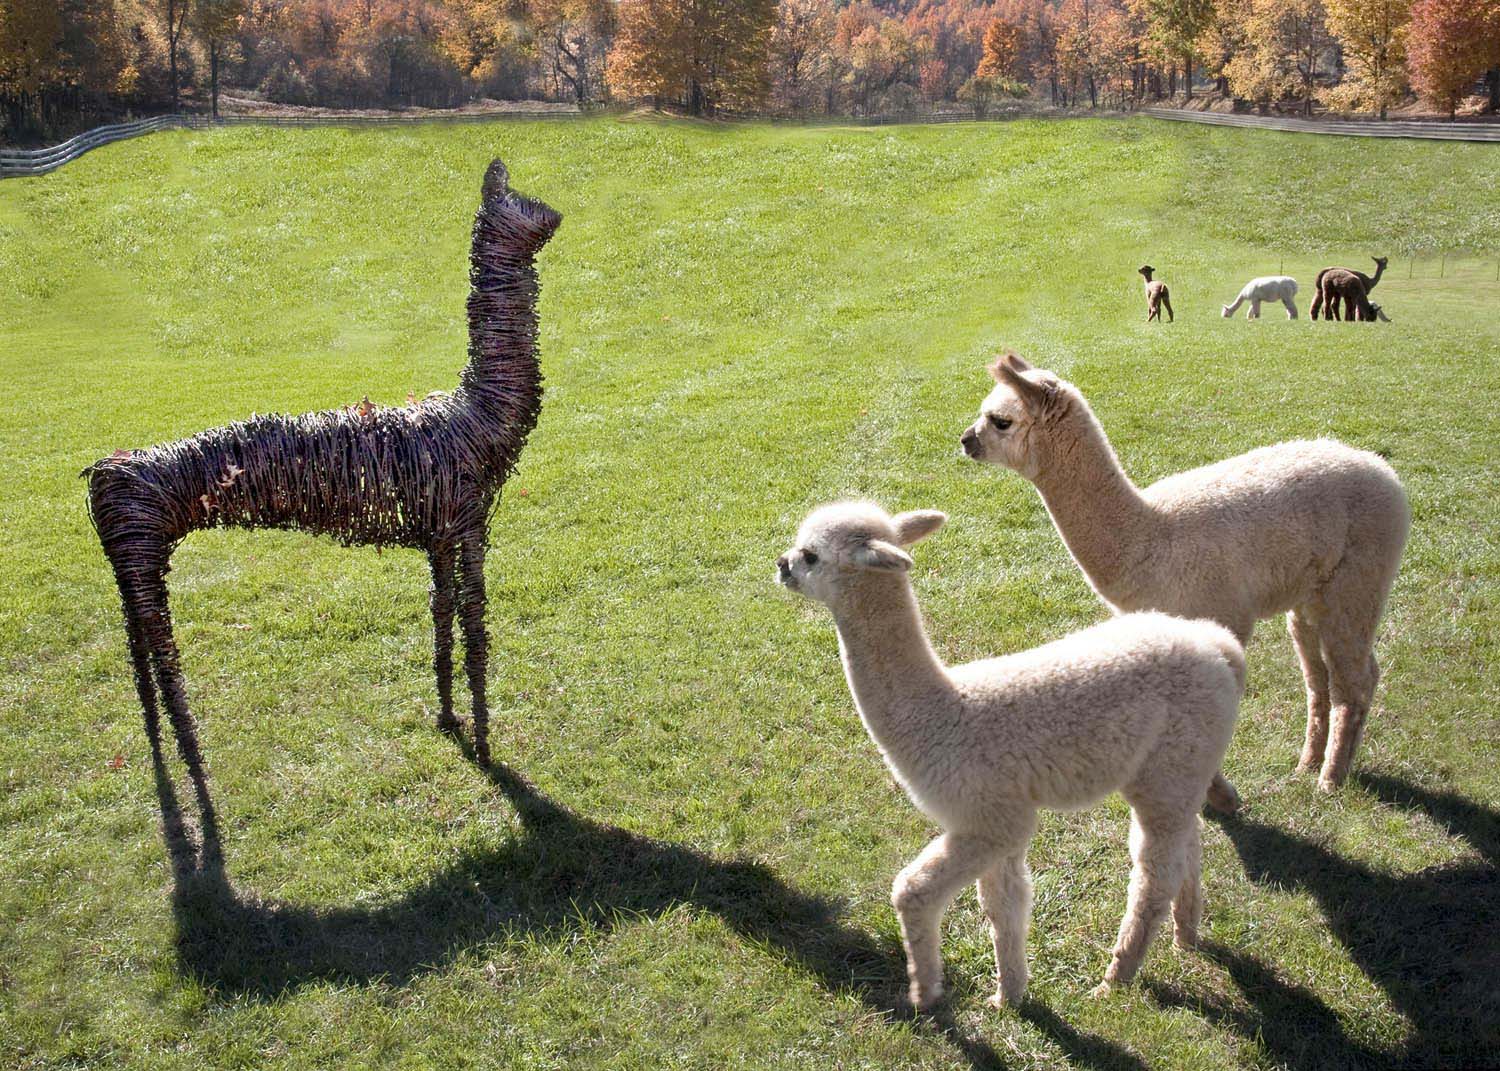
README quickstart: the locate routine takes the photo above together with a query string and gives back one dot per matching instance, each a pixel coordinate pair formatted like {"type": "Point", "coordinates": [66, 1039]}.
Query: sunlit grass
{"type": "Point", "coordinates": [738, 323]}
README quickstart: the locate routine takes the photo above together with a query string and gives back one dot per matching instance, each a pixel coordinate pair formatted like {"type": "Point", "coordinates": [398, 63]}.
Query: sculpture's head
{"type": "Point", "coordinates": [839, 543]}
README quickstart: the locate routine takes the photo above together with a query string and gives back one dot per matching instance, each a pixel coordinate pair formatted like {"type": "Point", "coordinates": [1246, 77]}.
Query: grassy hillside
{"type": "Point", "coordinates": [738, 323]}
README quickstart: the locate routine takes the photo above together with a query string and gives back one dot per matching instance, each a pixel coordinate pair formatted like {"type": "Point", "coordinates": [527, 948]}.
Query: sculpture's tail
{"type": "Point", "coordinates": [503, 373]}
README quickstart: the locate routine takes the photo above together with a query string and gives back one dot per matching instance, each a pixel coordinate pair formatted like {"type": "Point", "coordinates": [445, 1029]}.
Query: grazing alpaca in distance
{"type": "Point", "coordinates": [1368, 280]}
{"type": "Point", "coordinates": [425, 476]}
{"type": "Point", "coordinates": [1348, 287]}
{"type": "Point", "coordinates": [1314, 529]}
{"type": "Point", "coordinates": [1143, 704]}
{"type": "Point", "coordinates": [1157, 296]}
{"type": "Point", "coordinates": [1282, 288]}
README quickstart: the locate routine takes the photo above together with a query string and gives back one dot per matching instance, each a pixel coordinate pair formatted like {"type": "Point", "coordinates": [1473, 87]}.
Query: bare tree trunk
{"type": "Point", "coordinates": [213, 74]}
{"type": "Point", "coordinates": [1494, 80]}
{"type": "Point", "coordinates": [1187, 75]}
{"type": "Point", "coordinates": [172, 34]}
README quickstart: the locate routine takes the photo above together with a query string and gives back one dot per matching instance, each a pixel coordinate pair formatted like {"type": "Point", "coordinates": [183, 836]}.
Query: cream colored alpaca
{"type": "Point", "coordinates": [1312, 528]}
{"type": "Point", "coordinates": [1143, 704]}
{"type": "Point", "coordinates": [1282, 288]}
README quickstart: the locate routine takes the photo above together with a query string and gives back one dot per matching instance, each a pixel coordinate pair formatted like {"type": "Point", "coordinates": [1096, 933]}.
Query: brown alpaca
{"type": "Point", "coordinates": [1157, 297]}
{"type": "Point", "coordinates": [1341, 284]}
{"type": "Point", "coordinates": [1369, 281]}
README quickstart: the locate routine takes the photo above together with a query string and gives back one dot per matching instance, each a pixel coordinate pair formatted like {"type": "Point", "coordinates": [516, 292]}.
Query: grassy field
{"type": "Point", "coordinates": [738, 323]}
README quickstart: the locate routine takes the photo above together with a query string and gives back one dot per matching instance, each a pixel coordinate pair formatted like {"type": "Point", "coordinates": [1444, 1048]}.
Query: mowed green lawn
{"type": "Point", "coordinates": [739, 323]}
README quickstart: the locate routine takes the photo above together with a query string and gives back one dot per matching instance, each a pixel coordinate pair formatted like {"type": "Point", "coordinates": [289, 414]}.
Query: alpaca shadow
{"type": "Point", "coordinates": [563, 874]}
{"type": "Point", "coordinates": [1430, 940]}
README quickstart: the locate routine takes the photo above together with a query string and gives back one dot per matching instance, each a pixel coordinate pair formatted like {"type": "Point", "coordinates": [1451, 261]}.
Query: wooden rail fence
{"type": "Point", "coordinates": [1365, 128]}
{"type": "Point", "coordinates": [17, 162]}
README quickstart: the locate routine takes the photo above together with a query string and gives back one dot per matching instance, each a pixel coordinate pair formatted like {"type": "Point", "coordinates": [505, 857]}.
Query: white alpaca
{"type": "Point", "coordinates": [1313, 528]}
{"type": "Point", "coordinates": [1143, 704]}
{"type": "Point", "coordinates": [1282, 288]}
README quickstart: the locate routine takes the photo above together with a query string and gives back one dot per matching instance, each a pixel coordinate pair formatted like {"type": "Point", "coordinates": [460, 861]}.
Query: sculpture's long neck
{"type": "Point", "coordinates": [501, 386]}
{"type": "Point", "coordinates": [1100, 514]}
{"type": "Point", "coordinates": [898, 681]}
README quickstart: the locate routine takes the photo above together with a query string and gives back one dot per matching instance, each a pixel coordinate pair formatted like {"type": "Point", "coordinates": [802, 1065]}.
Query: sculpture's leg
{"type": "Point", "coordinates": [148, 602]}
{"type": "Point", "coordinates": [442, 558]}
{"type": "Point", "coordinates": [476, 642]}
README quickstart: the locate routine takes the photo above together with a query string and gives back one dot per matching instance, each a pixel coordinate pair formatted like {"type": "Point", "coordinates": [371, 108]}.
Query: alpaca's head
{"type": "Point", "coordinates": [1380, 262]}
{"type": "Point", "coordinates": [839, 543]}
{"type": "Point", "coordinates": [1226, 311]}
{"type": "Point", "coordinates": [1146, 270]}
{"type": "Point", "coordinates": [1377, 313]}
{"type": "Point", "coordinates": [1020, 418]}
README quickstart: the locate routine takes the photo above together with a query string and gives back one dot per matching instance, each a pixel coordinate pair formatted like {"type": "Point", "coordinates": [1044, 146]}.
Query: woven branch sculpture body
{"type": "Point", "coordinates": [425, 476]}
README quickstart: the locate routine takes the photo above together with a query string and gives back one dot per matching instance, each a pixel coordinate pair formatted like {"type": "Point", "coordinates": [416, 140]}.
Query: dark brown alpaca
{"type": "Point", "coordinates": [1157, 297]}
{"type": "Point", "coordinates": [426, 476]}
{"type": "Point", "coordinates": [1342, 285]}
{"type": "Point", "coordinates": [1369, 281]}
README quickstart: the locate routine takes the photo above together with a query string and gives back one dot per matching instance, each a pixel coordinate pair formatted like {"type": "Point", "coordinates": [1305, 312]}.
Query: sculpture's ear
{"type": "Point", "coordinates": [918, 524]}
{"type": "Point", "coordinates": [878, 554]}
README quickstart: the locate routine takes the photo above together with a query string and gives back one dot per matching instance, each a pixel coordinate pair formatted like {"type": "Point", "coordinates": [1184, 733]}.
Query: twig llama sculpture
{"type": "Point", "coordinates": [1315, 529]}
{"type": "Point", "coordinates": [1282, 288]}
{"type": "Point", "coordinates": [1143, 704]}
{"type": "Point", "coordinates": [1157, 296]}
{"type": "Point", "coordinates": [1368, 280]}
{"type": "Point", "coordinates": [424, 476]}
{"type": "Point", "coordinates": [1342, 285]}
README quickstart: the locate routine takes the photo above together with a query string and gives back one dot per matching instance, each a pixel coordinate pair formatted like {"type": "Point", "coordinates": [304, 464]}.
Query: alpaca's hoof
{"type": "Point", "coordinates": [1223, 796]}
{"type": "Point", "coordinates": [1328, 785]}
{"type": "Point", "coordinates": [1103, 989]}
{"type": "Point", "coordinates": [1002, 999]}
{"type": "Point", "coordinates": [1185, 942]}
{"type": "Point", "coordinates": [926, 997]}
{"type": "Point", "coordinates": [1308, 765]}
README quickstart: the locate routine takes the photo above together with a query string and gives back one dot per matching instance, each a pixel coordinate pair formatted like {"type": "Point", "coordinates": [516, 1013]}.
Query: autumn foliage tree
{"type": "Point", "coordinates": [704, 54]}
{"type": "Point", "coordinates": [1285, 44]}
{"type": "Point", "coordinates": [1372, 34]}
{"type": "Point", "coordinates": [1451, 42]}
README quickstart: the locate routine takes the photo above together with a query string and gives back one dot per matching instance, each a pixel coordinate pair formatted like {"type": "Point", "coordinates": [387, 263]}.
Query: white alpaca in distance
{"type": "Point", "coordinates": [1282, 288]}
{"type": "Point", "coordinates": [1314, 529]}
{"type": "Point", "coordinates": [1143, 704]}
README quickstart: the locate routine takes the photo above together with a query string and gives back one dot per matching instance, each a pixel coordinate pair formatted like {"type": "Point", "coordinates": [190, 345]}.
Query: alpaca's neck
{"type": "Point", "coordinates": [898, 681]}
{"type": "Point", "coordinates": [1100, 514]}
{"type": "Point", "coordinates": [1379, 267]}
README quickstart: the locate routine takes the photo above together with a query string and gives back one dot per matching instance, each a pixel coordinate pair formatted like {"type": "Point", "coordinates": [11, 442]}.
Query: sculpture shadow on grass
{"type": "Point", "coordinates": [1430, 940]}
{"type": "Point", "coordinates": [563, 874]}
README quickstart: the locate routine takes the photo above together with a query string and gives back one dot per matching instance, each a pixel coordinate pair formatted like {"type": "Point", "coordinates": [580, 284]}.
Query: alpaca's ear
{"type": "Point", "coordinates": [1033, 395]}
{"type": "Point", "coordinates": [878, 554]}
{"type": "Point", "coordinates": [918, 524]}
{"type": "Point", "coordinates": [1007, 360]}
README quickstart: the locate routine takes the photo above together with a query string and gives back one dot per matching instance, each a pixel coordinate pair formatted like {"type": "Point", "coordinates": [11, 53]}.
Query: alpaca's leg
{"type": "Point", "coordinates": [149, 595]}
{"type": "Point", "coordinates": [920, 895]}
{"type": "Point", "coordinates": [1317, 304]}
{"type": "Point", "coordinates": [1158, 848]}
{"type": "Point", "coordinates": [1166, 300]}
{"type": "Point", "coordinates": [442, 559]}
{"type": "Point", "coordinates": [1291, 308]}
{"type": "Point", "coordinates": [1187, 905]}
{"type": "Point", "coordinates": [1005, 896]}
{"type": "Point", "coordinates": [476, 641]}
{"type": "Point", "coordinates": [1254, 312]}
{"type": "Point", "coordinates": [1315, 673]}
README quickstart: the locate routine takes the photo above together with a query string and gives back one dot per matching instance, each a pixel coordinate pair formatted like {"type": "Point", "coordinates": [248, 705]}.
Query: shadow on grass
{"type": "Point", "coordinates": [564, 874]}
{"type": "Point", "coordinates": [1430, 940]}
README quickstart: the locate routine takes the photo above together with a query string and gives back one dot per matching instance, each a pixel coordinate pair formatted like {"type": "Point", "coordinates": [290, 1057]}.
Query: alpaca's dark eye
{"type": "Point", "coordinates": [999, 422]}
{"type": "Point", "coordinates": [809, 557]}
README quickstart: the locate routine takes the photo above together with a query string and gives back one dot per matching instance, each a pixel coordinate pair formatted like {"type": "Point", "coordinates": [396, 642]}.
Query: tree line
{"type": "Point", "coordinates": [69, 63]}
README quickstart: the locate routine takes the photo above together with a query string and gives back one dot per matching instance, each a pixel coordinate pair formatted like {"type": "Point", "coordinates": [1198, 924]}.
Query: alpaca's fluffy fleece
{"type": "Point", "coordinates": [1311, 528]}
{"type": "Point", "coordinates": [1282, 288]}
{"type": "Point", "coordinates": [1143, 704]}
